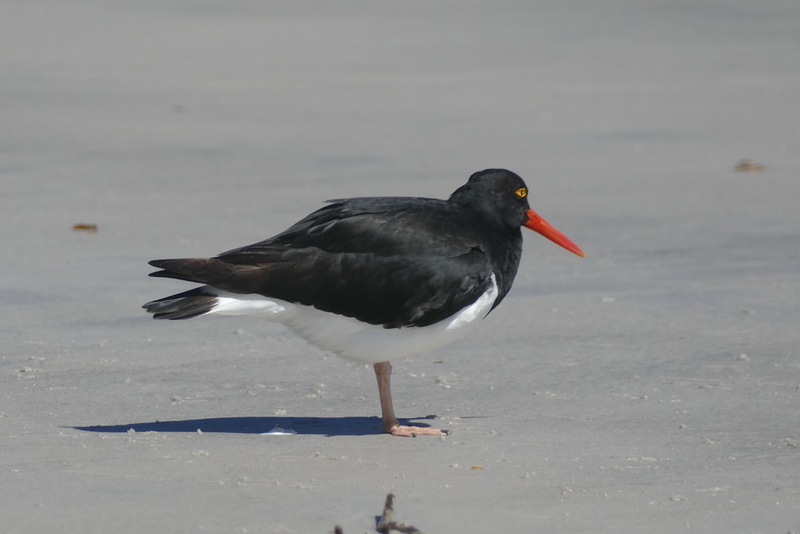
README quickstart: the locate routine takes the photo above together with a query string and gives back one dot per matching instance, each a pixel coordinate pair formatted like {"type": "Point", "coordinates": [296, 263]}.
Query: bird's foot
{"type": "Point", "coordinates": [414, 431]}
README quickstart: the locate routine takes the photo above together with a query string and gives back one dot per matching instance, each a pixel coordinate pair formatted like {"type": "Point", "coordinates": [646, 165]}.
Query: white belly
{"type": "Point", "coordinates": [353, 339]}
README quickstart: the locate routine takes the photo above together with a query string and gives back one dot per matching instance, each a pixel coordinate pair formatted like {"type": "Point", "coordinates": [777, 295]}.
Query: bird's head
{"type": "Point", "coordinates": [501, 198]}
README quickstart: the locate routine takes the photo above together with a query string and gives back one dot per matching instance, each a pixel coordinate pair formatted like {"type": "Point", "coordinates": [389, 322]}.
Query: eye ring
{"type": "Point", "coordinates": [522, 192]}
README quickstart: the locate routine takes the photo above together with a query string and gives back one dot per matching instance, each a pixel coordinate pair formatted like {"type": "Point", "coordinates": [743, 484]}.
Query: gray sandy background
{"type": "Point", "coordinates": [650, 387]}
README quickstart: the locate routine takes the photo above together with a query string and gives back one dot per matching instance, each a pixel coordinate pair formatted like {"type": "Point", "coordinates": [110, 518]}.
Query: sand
{"type": "Point", "coordinates": [653, 386]}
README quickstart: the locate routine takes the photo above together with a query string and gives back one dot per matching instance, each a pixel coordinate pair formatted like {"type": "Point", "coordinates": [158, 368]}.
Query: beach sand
{"type": "Point", "coordinates": [653, 386]}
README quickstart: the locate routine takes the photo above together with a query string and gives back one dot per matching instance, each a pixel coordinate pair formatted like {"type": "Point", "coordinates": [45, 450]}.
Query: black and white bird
{"type": "Point", "coordinates": [374, 279]}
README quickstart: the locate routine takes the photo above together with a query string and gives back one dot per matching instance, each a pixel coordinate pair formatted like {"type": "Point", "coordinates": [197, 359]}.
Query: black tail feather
{"type": "Point", "coordinates": [186, 305]}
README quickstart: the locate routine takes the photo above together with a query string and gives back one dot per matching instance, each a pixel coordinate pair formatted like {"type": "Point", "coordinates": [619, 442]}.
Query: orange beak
{"type": "Point", "coordinates": [539, 225]}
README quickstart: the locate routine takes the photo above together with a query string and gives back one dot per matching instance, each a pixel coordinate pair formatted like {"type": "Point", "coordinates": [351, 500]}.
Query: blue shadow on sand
{"type": "Point", "coordinates": [326, 426]}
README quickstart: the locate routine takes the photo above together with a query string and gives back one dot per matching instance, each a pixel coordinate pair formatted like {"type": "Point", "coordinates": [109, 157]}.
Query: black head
{"type": "Point", "coordinates": [500, 198]}
{"type": "Point", "coordinates": [498, 195]}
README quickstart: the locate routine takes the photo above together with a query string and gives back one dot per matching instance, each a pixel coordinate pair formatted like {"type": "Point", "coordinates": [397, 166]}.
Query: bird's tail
{"type": "Point", "coordinates": [186, 305]}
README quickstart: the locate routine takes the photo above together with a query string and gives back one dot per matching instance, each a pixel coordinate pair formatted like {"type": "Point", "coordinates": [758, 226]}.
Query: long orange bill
{"type": "Point", "coordinates": [539, 225]}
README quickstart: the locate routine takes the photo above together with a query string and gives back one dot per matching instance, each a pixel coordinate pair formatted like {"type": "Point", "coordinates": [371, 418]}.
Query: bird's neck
{"type": "Point", "coordinates": [504, 251]}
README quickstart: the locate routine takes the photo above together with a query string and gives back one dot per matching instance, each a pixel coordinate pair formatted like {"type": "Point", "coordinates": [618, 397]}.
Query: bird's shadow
{"type": "Point", "coordinates": [325, 426]}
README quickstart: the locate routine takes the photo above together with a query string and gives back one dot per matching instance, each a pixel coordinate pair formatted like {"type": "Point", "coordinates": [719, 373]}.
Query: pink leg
{"type": "Point", "coordinates": [383, 372]}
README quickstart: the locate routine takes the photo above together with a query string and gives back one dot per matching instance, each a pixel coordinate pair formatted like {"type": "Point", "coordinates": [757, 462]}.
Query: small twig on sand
{"type": "Point", "coordinates": [386, 525]}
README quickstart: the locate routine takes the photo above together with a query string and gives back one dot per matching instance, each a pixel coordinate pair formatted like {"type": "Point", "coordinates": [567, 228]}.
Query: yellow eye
{"type": "Point", "coordinates": [521, 192]}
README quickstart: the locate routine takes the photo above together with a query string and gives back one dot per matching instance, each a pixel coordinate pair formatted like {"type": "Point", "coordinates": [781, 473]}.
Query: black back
{"type": "Point", "coordinates": [390, 261]}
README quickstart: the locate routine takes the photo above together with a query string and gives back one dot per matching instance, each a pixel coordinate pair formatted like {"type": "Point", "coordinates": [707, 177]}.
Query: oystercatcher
{"type": "Point", "coordinates": [374, 279]}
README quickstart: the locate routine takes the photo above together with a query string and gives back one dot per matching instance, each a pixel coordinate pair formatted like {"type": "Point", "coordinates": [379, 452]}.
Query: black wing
{"type": "Point", "coordinates": [387, 261]}
{"type": "Point", "coordinates": [381, 225]}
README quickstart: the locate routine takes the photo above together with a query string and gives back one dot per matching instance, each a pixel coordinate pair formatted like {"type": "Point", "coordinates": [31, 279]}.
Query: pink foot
{"type": "Point", "coordinates": [414, 431]}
